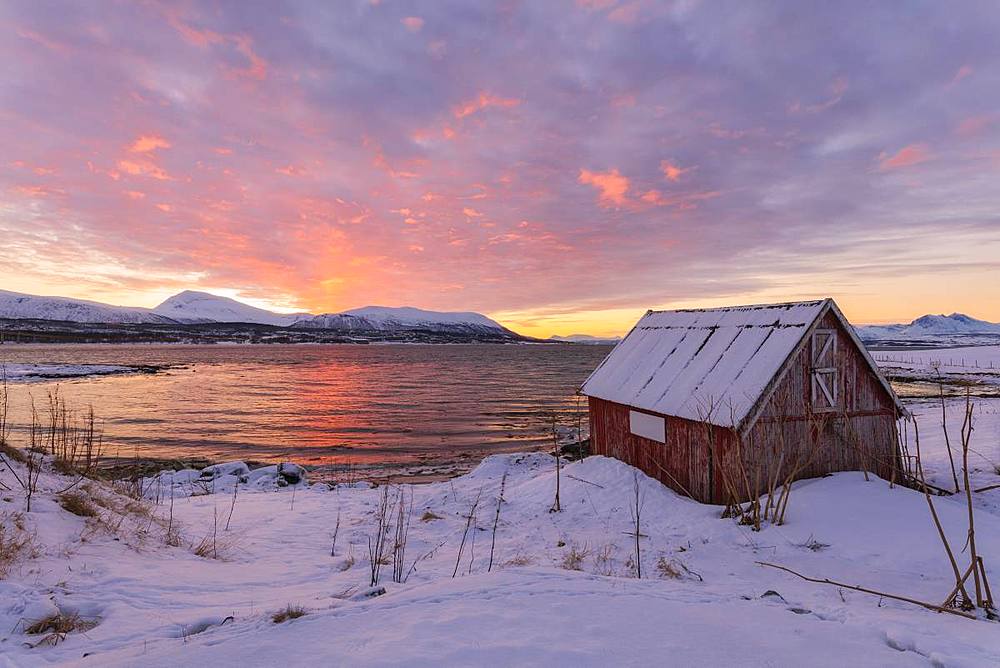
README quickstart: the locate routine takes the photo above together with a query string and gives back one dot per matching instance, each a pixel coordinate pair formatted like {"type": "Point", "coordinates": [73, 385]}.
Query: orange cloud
{"type": "Point", "coordinates": [148, 143]}
{"type": "Point", "coordinates": [612, 184]}
{"type": "Point", "coordinates": [910, 155]}
{"type": "Point", "coordinates": [257, 67]}
{"type": "Point", "coordinates": [671, 171]}
{"type": "Point", "coordinates": [484, 101]}
{"type": "Point", "coordinates": [135, 194]}
{"type": "Point", "coordinates": [413, 23]}
{"type": "Point", "coordinates": [143, 168]}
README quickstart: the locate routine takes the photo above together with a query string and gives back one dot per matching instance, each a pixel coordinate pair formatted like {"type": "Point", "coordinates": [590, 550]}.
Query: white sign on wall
{"type": "Point", "coordinates": [648, 426]}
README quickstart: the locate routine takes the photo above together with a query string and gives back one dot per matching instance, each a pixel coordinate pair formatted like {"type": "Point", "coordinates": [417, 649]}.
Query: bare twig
{"type": "Point", "coordinates": [905, 599]}
{"type": "Point", "coordinates": [496, 519]}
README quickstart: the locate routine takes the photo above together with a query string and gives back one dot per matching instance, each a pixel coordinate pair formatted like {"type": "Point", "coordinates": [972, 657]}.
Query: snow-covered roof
{"type": "Point", "coordinates": [710, 365]}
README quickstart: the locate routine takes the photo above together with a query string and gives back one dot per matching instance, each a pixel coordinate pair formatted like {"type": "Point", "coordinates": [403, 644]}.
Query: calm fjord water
{"type": "Point", "coordinates": [321, 404]}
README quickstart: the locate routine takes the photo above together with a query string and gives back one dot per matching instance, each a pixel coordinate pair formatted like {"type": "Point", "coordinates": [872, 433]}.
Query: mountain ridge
{"type": "Point", "coordinates": [931, 325]}
{"type": "Point", "coordinates": [194, 308]}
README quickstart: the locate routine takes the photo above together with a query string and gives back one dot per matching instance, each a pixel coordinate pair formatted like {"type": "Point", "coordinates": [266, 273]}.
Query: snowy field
{"type": "Point", "coordinates": [920, 376]}
{"type": "Point", "coordinates": [194, 574]}
{"type": "Point", "coordinates": [563, 588]}
{"type": "Point", "coordinates": [975, 367]}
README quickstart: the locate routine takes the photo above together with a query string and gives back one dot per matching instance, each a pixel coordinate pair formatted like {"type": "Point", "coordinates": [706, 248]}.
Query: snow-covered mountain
{"type": "Point", "coordinates": [192, 307]}
{"type": "Point", "coordinates": [587, 339]}
{"type": "Point", "coordinates": [931, 327]}
{"type": "Point", "coordinates": [17, 306]}
{"type": "Point", "coordinates": [405, 318]}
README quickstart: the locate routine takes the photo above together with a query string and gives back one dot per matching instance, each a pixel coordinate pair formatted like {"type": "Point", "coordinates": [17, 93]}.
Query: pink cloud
{"type": "Point", "coordinates": [963, 72]}
{"type": "Point", "coordinates": [974, 125]}
{"type": "Point", "coordinates": [413, 23]}
{"type": "Point", "coordinates": [627, 13]}
{"type": "Point", "coordinates": [484, 101]}
{"type": "Point", "coordinates": [910, 155]}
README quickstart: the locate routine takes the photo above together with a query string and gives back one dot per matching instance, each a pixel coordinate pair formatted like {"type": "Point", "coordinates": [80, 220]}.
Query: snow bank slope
{"type": "Point", "coordinates": [535, 618]}
{"type": "Point", "coordinates": [562, 590]}
{"type": "Point", "coordinates": [15, 305]}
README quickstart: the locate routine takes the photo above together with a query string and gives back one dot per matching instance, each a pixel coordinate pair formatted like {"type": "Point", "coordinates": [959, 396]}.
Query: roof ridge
{"type": "Point", "coordinates": [804, 302]}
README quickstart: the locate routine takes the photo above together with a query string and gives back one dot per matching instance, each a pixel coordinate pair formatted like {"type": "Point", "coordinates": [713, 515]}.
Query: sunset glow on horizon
{"type": "Point", "coordinates": [561, 167]}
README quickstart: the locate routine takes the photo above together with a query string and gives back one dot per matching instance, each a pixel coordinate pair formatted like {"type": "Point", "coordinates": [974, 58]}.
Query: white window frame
{"type": "Point", "coordinates": [644, 425]}
{"type": "Point", "coordinates": [824, 377]}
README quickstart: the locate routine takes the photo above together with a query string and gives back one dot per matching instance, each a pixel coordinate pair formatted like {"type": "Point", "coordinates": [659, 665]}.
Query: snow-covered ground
{"type": "Point", "coordinates": [921, 375]}
{"type": "Point", "coordinates": [562, 591]}
{"type": "Point", "coordinates": [194, 574]}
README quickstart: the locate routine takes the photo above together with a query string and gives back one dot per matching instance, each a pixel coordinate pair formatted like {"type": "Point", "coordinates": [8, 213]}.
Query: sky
{"type": "Point", "coordinates": [562, 166]}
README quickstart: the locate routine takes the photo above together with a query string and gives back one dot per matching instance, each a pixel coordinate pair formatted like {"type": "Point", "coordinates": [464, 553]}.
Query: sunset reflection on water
{"type": "Point", "coordinates": [320, 404]}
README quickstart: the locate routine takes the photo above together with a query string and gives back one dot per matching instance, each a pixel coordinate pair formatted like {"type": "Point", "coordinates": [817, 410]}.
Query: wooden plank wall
{"type": "Point", "coordinates": [787, 438]}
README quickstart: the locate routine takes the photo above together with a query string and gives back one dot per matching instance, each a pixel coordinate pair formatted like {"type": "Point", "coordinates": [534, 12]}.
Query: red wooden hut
{"type": "Point", "coordinates": [721, 403]}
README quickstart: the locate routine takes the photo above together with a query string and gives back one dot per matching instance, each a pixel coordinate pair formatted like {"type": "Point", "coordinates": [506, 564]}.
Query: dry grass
{"type": "Point", "coordinates": [56, 627]}
{"type": "Point", "coordinates": [12, 453]}
{"type": "Point", "coordinates": [289, 612]}
{"type": "Point", "coordinates": [604, 560]}
{"type": "Point", "coordinates": [349, 562]}
{"type": "Point", "coordinates": [574, 558]}
{"type": "Point", "coordinates": [78, 504]}
{"type": "Point", "coordinates": [429, 516]}
{"type": "Point", "coordinates": [16, 543]}
{"type": "Point", "coordinates": [667, 569]}
{"type": "Point", "coordinates": [674, 569]}
{"type": "Point", "coordinates": [519, 559]}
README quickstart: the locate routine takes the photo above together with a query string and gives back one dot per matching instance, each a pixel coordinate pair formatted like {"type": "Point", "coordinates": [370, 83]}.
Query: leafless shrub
{"type": "Point", "coordinates": [336, 531]}
{"type": "Point", "coordinates": [289, 612]}
{"type": "Point", "coordinates": [556, 506]}
{"type": "Point", "coordinates": [574, 558]}
{"type": "Point", "coordinates": [635, 510]}
{"type": "Point", "coordinates": [377, 542]}
{"type": "Point", "coordinates": [469, 520]}
{"type": "Point", "coordinates": [403, 514]}
{"type": "Point", "coordinates": [496, 519]}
